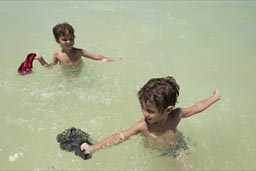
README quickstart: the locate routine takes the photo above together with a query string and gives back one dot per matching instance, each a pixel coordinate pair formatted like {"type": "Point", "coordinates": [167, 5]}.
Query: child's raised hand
{"type": "Point", "coordinates": [217, 94]}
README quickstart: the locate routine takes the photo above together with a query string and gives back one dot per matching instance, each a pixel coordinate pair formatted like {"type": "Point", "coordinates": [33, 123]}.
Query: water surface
{"type": "Point", "coordinates": [204, 45]}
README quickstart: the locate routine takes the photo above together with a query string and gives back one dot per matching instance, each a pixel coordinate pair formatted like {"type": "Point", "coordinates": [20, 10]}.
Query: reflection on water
{"type": "Point", "coordinates": [187, 40]}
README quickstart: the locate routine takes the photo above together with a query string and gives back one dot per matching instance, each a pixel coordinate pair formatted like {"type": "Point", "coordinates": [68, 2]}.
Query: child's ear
{"type": "Point", "coordinates": [169, 109]}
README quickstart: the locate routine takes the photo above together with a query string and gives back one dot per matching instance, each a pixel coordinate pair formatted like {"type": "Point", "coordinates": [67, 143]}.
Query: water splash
{"type": "Point", "coordinates": [15, 157]}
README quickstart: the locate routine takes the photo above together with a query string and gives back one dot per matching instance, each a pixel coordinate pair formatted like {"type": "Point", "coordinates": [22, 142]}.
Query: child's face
{"type": "Point", "coordinates": [152, 114]}
{"type": "Point", "coordinates": [66, 42]}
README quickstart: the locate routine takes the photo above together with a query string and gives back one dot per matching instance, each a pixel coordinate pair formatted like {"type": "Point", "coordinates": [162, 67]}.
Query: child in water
{"type": "Point", "coordinates": [69, 55]}
{"type": "Point", "coordinates": [159, 125]}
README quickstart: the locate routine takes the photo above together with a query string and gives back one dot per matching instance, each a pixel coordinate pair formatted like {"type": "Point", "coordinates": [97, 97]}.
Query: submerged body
{"type": "Point", "coordinates": [161, 136]}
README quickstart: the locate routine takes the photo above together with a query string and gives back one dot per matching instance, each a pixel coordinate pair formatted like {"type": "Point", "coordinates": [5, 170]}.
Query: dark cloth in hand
{"type": "Point", "coordinates": [71, 140]}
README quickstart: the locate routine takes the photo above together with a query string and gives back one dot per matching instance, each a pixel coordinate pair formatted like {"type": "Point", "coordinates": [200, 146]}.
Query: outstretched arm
{"type": "Point", "coordinates": [201, 105]}
{"type": "Point", "coordinates": [44, 63]}
{"type": "Point", "coordinates": [98, 57]}
{"type": "Point", "coordinates": [111, 140]}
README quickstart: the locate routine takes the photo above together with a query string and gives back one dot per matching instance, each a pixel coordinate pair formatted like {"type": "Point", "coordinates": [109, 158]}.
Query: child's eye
{"type": "Point", "coordinates": [68, 40]}
{"type": "Point", "coordinates": [150, 111]}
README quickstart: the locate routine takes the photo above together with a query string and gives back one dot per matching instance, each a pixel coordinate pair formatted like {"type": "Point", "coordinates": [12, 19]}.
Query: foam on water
{"type": "Point", "coordinates": [15, 157]}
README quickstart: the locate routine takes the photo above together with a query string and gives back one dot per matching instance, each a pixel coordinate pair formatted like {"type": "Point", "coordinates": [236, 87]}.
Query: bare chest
{"type": "Point", "coordinates": [68, 58]}
{"type": "Point", "coordinates": [161, 137]}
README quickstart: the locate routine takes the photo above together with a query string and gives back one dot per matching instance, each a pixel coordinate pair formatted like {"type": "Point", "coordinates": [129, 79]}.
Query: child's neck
{"type": "Point", "coordinates": [163, 120]}
{"type": "Point", "coordinates": [67, 51]}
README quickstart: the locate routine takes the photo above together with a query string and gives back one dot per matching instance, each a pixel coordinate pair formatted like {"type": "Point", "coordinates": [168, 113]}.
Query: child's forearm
{"type": "Point", "coordinates": [96, 56]}
{"type": "Point", "coordinates": [109, 141]}
{"type": "Point", "coordinates": [201, 105]}
{"type": "Point", "coordinates": [204, 104]}
{"type": "Point", "coordinates": [106, 59]}
{"type": "Point", "coordinates": [105, 143]}
{"type": "Point", "coordinates": [43, 62]}
{"type": "Point", "coordinates": [103, 58]}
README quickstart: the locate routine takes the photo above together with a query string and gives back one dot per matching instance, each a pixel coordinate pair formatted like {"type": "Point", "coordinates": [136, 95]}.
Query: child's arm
{"type": "Point", "coordinates": [201, 105]}
{"type": "Point", "coordinates": [112, 140]}
{"type": "Point", "coordinates": [98, 56]}
{"type": "Point", "coordinates": [44, 63]}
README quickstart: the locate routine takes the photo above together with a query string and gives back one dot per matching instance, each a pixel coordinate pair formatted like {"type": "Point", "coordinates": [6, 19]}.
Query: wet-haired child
{"type": "Point", "coordinates": [69, 55]}
{"type": "Point", "coordinates": [159, 124]}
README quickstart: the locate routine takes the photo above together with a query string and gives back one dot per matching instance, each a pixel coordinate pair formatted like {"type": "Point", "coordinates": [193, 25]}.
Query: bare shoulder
{"type": "Point", "coordinates": [84, 52]}
{"type": "Point", "coordinates": [56, 56]}
{"type": "Point", "coordinates": [56, 53]}
{"type": "Point", "coordinates": [138, 127]}
{"type": "Point", "coordinates": [141, 124]}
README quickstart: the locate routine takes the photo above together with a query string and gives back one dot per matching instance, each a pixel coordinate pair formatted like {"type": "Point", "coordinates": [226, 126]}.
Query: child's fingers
{"type": "Point", "coordinates": [85, 148]}
{"type": "Point", "coordinates": [115, 59]}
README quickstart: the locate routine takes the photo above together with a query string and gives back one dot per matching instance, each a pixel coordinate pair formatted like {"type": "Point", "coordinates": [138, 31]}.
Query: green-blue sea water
{"type": "Point", "coordinates": [205, 45]}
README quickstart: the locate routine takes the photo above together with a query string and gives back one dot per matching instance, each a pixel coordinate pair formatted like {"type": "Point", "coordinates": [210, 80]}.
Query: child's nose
{"type": "Point", "coordinates": [145, 114]}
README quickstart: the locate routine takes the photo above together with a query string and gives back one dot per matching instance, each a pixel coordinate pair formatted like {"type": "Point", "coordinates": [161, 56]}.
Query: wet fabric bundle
{"type": "Point", "coordinates": [27, 65]}
{"type": "Point", "coordinates": [71, 140]}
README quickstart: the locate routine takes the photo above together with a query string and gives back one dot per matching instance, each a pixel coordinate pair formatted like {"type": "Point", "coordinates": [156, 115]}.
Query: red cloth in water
{"type": "Point", "coordinates": [27, 65]}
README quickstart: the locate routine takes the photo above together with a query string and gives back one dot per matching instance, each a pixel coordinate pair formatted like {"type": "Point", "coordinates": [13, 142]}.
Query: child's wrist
{"type": "Point", "coordinates": [91, 149]}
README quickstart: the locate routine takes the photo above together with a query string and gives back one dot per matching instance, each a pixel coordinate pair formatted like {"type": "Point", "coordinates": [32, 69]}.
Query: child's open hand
{"type": "Point", "coordinates": [217, 94]}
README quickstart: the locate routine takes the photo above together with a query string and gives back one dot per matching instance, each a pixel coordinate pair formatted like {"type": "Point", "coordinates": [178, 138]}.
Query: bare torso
{"type": "Point", "coordinates": [70, 59]}
{"type": "Point", "coordinates": [161, 136]}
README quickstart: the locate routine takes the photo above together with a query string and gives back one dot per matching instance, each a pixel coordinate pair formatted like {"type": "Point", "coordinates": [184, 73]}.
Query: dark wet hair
{"type": "Point", "coordinates": [162, 92]}
{"type": "Point", "coordinates": [71, 140]}
{"type": "Point", "coordinates": [63, 29]}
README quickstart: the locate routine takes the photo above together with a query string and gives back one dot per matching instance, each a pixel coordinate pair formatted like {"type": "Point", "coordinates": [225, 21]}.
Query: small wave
{"type": "Point", "coordinates": [15, 157]}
